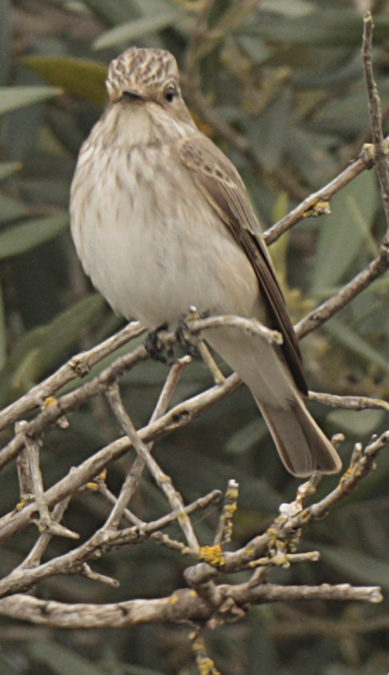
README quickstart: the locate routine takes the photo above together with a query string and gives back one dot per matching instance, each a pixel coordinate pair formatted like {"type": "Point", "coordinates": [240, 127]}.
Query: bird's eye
{"type": "Point", "coordinates": [170, 93]}
{"type": "Point", "coordinates": [130, 96]}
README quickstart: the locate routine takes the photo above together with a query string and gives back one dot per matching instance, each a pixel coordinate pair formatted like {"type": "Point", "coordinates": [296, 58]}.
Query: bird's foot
{"type": "Point", "coordinates": [195, 345]}
{"type": "Point", "coordinates": [156, 346]}
{"type": "Point", "coordinates": [185, 339]}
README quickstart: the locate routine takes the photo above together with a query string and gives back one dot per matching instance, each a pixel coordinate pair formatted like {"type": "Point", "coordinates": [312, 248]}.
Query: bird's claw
{"type": "Point", "coordinates": [156, 346]}
{"type": "Point", "coordinates": [185, 339]}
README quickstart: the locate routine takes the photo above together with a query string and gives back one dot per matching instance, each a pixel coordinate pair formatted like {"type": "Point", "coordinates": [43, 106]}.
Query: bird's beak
{"type": "Point", "coordinates": [131, 95]}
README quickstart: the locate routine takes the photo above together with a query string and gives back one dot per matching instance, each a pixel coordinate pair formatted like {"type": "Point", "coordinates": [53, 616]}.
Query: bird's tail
{"type": "Point", "coordinates": [301, 444]}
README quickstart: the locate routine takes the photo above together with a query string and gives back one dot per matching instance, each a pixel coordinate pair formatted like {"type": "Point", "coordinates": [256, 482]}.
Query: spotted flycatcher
{"type": "Point", "coordinates": [162, 221]}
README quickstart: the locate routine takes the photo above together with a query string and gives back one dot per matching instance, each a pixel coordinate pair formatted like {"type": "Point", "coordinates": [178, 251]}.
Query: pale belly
{"type": "Point", "coordinates": [155, 254]}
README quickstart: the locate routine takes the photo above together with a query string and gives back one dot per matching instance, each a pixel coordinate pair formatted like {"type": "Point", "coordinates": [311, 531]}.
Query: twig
{"type": "Point", "coordinates": [160, 537]}
{"type": "Point", "coordinates": [179, 416]}
{"type": "Point", "coordinates": [295, 517]}
{"type": "Point", "coordinates": [251, 326]}
{"type": "Point", "coordinates": [205, 664]}
{"type": "Point", "coordinates": [163, 481]}
{"type": "Point", "coordinates": [34, 557]}
{"type": "Point", "coordinates": [88, 573]}
{"type": "Point", "coordinates": [349, 402]}
{"type": "Point", "coordinates": [322, 196]}
{"type": "Point", "coordinates": [182, 605]}
{"type": "Point", "coordinates": [224, 529]}
{"type": "Point", "coordinates": [32, 447]}
{"type": "Point", "coordinates": [102, 541]}
{"type": "Point", "coordinates": [197, 340]}
{"type": "Point", "coordinates": [24, 474]}
{"type": "Point", "coordinates": [68, 402]}
{"type": "Point", "coordinates": [46, 523]}
{"type": "Point", "coordinates": [327, 309]}
{"type": "Point", "coordinates": [381, 148]}
{"type": "Point", "coordinates": [133, 478]}
{"type": "Point", "coordinates": [381, 263]}
{"type": "Point", "coordinates": [76, 367]}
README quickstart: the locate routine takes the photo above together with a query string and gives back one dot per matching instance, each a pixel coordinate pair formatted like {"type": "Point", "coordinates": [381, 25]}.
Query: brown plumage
{"type": "Point", "coordinates": [161, 220]}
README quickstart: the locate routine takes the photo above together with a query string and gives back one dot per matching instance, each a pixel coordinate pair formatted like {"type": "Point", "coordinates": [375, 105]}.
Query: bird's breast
{"type": "Point", "coordinates": [150, 241]}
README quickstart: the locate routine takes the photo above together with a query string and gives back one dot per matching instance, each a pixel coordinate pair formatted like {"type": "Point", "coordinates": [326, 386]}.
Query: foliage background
{"type": "Point", "coordinates": [287, 75]}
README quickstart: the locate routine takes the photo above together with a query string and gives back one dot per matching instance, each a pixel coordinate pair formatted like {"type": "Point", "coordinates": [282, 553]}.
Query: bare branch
{"type": "Point", "coordinates": [349, 402]}
{"type": "Point", "coordinates": [182, 605]}
{"type": "Point", "coordinates": [207, 599]}
{"type": "Point", "coordinates": [327, 309]}
{"type": "Point", "coordinates": [308, 207]}
{"type": "Point", "coordinates": [250, 326]}
{"type": "Point", "coordinates": [133, 478]}
{"type": "Point", "coordinates": [103, 541]}
{"type": "Point", "coordinates": [161, 478]}
{"type": "Point", "coordinates": [77, 366]}
{"type": "Point", "coordinates": [381, 147]}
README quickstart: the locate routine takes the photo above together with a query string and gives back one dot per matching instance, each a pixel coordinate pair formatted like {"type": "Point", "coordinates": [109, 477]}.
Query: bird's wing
{"type": "Point", "coordinates": [224, 190]}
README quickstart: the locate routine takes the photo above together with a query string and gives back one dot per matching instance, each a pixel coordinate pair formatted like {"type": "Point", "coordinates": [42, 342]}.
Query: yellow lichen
{"type": "Point", "coordinates": [50, 401]}
{"type": "Point", "coordinates": [213, 555]}
{"type": "Point", "coordinates": [321, 206]}
{"type": "Point", "coordinates": [25, 499]}
{"type": "Point", "coordinates": [94, 485]}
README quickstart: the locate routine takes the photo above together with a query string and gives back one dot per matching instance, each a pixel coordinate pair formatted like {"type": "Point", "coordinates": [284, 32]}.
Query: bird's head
{"type": "Point", "coordinates": [142, 75]}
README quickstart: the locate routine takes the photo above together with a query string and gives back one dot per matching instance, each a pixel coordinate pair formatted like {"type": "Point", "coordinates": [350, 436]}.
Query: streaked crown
{"type": "Point", "coordinates": [142, 70]}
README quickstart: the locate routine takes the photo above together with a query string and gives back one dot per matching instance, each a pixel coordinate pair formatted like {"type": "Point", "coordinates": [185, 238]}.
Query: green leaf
{"type": "Point", "coordinates": [81, 78]}
{"type": "Point", "coordinates": [7, 665]}
{"type": "Point", "coordinates": [349, 338]}
{"type": "Point", "coordinates": [62, 661]}
{"type": "Point", "coordinates": [140, 670]}
{"type": "Point", "coordinates": [291, 8]}
{"type": "Point", "coordinates": [311, 153]}
{"type": "Point", "coordinates": [112, 13]}
{"type": "Point", "coordinates": [341, 235]}
{"type": "Point", "coordinates": [27, 236]}
{"type": "Point", "coordinates": [356, 423]}
{"type": "Point", "coordinates": [10, 210]}
{"type": "Point", "coordinates": [8, 168]}
{"type": "Point", "coordinates": [6, 14]}
{"type": "Point", "coordinates": [338, 27]}
{"type": "Point", "coordinates": [12, 98]}
{"type": "Point", "coordinates": [3, 332]}
{"type": "Point", "coordinates": [246, 438]}
{"type": "Point", "coordinates": [347, 115]}
{"type": "Point", "coordinates": [127, 32]}
{"type": "Point", "coordinates": [38, 350]}
{"type": "Point", "coordinates": [356, 566]}
{"type": "Point", "coordinates": [268, 132]}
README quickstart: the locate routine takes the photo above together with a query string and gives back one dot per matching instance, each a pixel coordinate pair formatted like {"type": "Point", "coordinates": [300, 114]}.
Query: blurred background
{"type": "Point", "coordinates": [286, 77]}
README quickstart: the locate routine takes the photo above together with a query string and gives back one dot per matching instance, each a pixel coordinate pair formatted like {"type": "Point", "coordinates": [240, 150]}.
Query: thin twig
{"type": "Point", "coordinates": [308, 207]}
{"type": "Point", "coordinates": [224, 529]}
{"type": "Point", "coordinates": [349, 402]}
{"type": "Point", "coordinates": [103, 541]}
{"type": "Point", "coordinates": [250, 326]}
{"type": "Point", "coordinates": [78, 366]}
{"type": "Point", "coordinates": [45, 523]}
{"type": "Point", "coordinates": [69, 402]}
{"type": "Point", "coordinates": [179, 416]}
{"type": "Point", "coordinates": [35, 556]}
{"type": "Point", "coordinates": [381, 147]}
{"type": "Point", "coordinates": [327, 309]}
{"type": "Point", "coordinates": [133, 478]}
{"type": "Point", "coordinates": [163, 481]}
{"type": "Point", "coordinates": [296, 516]}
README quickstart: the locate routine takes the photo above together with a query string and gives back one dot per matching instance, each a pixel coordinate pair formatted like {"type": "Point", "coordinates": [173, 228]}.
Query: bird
{"type": "Point", "coordinates": [161, 221]}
